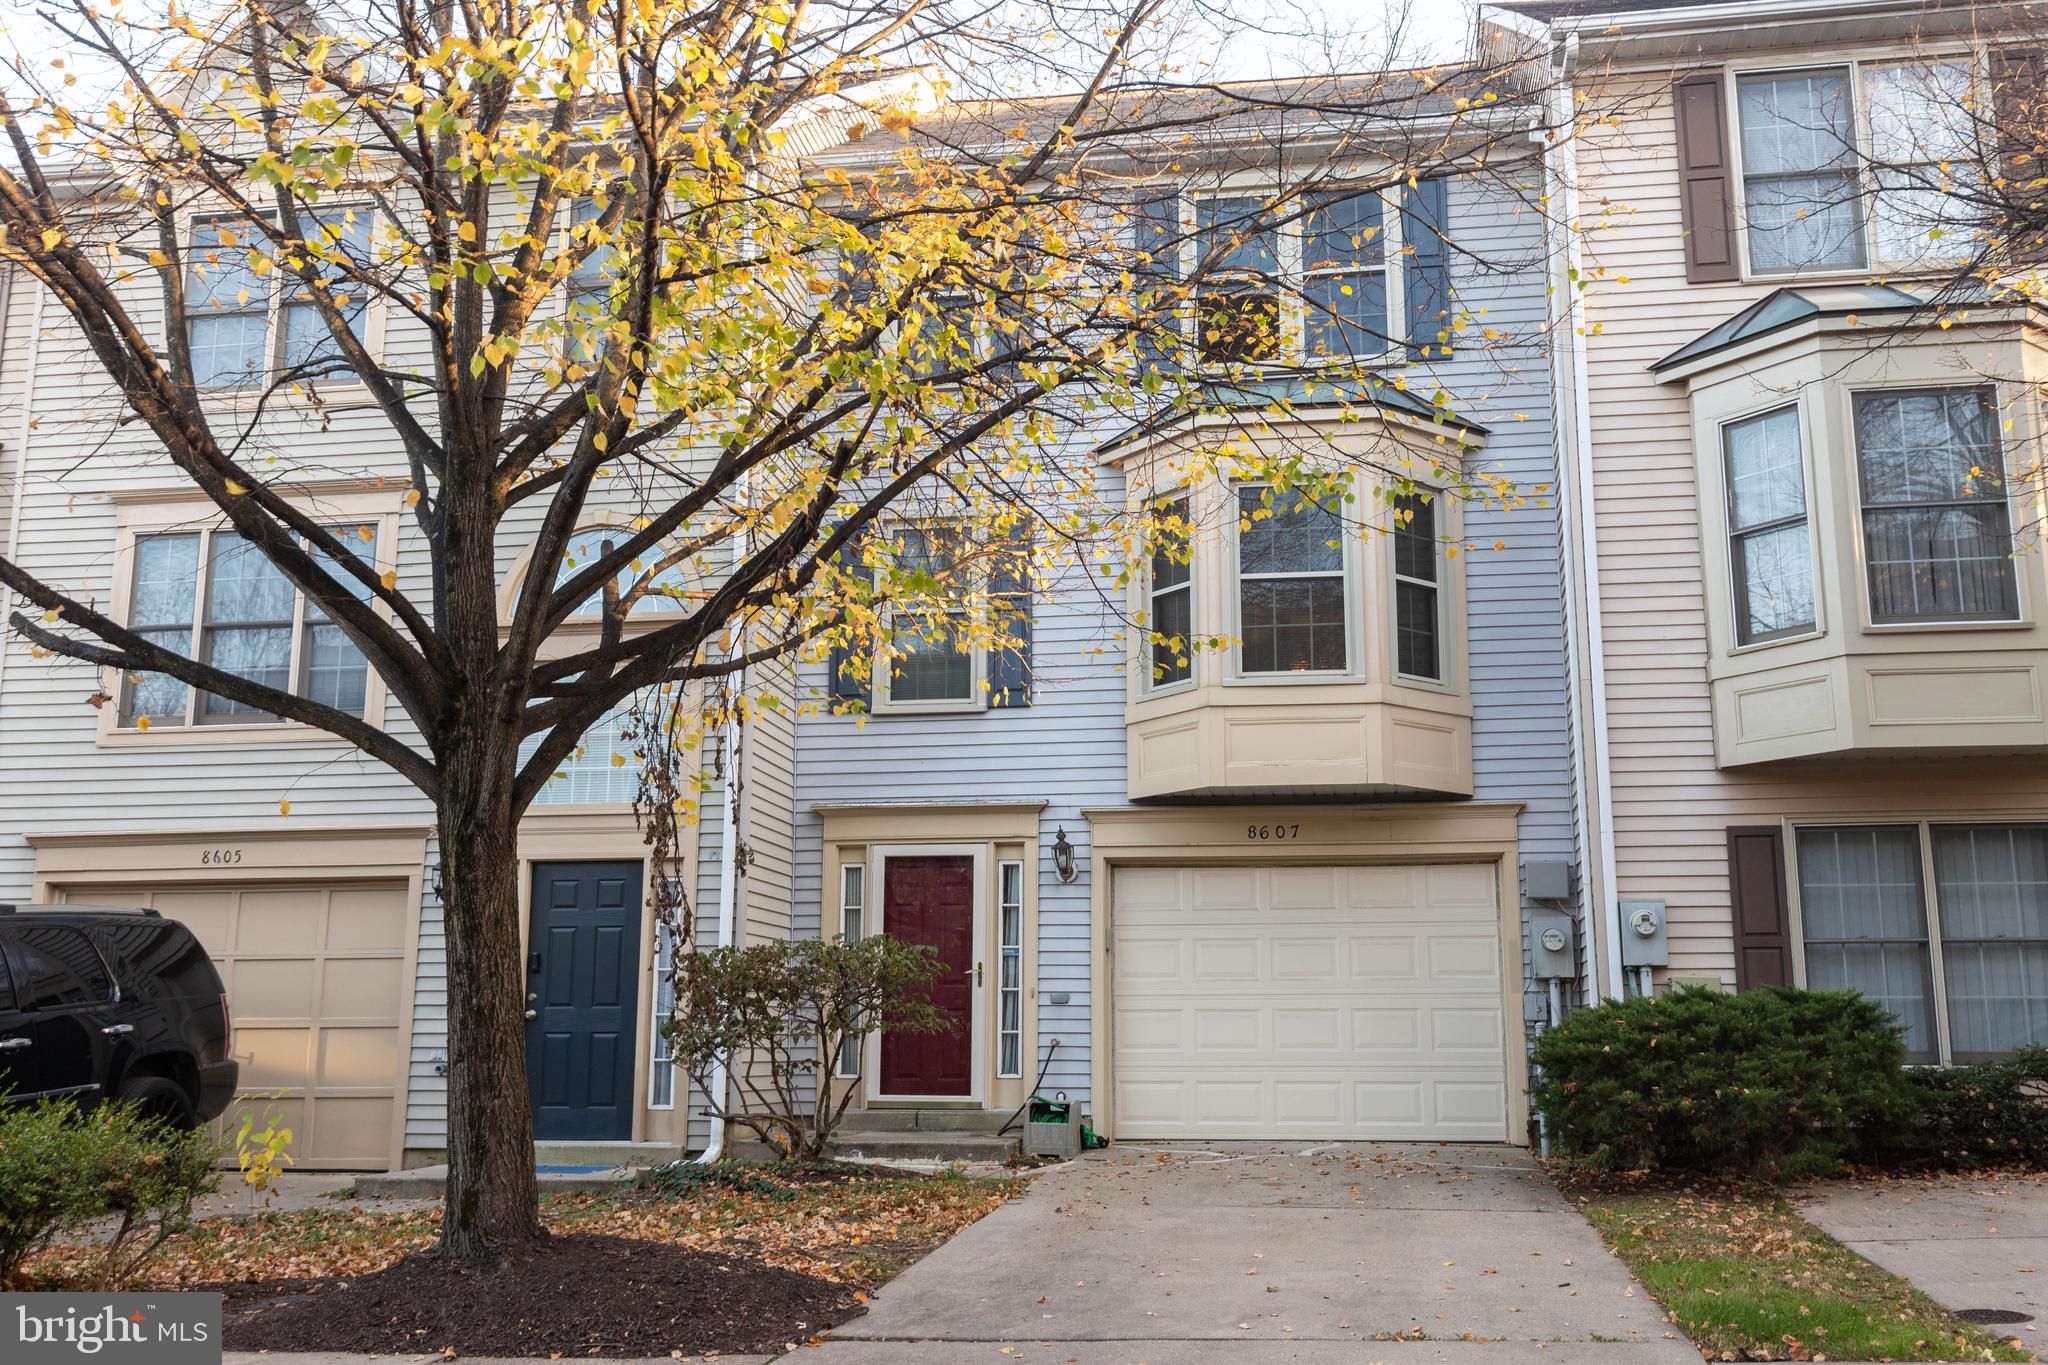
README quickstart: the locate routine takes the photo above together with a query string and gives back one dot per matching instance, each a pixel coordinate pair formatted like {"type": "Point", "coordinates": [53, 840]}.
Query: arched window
{"type": "Point", "coordinates": [664, 594]}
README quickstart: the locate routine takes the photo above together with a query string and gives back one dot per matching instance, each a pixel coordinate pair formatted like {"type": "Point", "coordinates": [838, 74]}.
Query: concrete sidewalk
{"type": "Point", "coordinates": [1967, 1242]}
{"type": "Point", "coordinates": [1162, 1255]}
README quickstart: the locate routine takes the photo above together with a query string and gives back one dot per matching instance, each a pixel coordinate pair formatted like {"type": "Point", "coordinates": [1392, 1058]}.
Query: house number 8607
{"type": "Point", "coordinates": [1270, 832]}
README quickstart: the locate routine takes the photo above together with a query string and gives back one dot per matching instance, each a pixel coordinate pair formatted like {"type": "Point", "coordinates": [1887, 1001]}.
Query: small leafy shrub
{"type": "Point", "coordinates": [682, 1179]}
{"type": "Point", "coordinates": [1986, 1114]}
{"type": "Point", "coordinates": [263, 1153]}
{"type": "Point", "coordinates": [1780, 1082]}
{"type": "Point", "coordinates": [774, 1013]}
{"type": "Point", "coordinates": [60, 1169]}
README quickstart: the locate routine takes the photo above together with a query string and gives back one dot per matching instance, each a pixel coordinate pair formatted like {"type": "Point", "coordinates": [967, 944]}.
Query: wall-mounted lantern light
{"type": "Point", "coordinates": [1063, 855]}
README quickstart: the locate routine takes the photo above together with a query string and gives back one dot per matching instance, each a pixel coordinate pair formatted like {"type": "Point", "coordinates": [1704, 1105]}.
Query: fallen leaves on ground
{"type": "Point", "coordinates": [858, 1231]}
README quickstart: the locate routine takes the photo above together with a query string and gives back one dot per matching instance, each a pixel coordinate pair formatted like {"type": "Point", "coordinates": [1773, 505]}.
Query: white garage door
{"type": "Point", "coordinates": [1311, 1002]}
{"type": "Point", "coordinates": [316, 985]}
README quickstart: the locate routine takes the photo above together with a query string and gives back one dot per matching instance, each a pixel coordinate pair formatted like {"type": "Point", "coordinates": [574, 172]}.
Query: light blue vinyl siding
{"type": "Point", "coordinates": [1068, 749]}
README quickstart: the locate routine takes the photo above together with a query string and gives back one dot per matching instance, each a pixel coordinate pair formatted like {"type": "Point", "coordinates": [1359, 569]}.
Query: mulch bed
{"type": "Point", "coordinates": [577, 1295]}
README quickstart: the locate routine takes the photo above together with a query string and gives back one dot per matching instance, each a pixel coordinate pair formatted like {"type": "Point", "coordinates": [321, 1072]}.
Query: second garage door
{"type": "Point", "coordinates": [316, 984]}
{"type": "Point", "coordinates": [1308, 1002]}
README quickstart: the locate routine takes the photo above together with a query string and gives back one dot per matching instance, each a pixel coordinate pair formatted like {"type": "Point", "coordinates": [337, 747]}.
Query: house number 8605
{"type": "Point", "coordinates": [220, 855]}
{"type": "Point", "coordinates": [1270, 832]}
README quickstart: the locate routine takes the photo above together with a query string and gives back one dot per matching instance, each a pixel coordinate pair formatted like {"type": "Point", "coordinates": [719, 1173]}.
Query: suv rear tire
{"type": "Point", "coordinates": [159, 1097]}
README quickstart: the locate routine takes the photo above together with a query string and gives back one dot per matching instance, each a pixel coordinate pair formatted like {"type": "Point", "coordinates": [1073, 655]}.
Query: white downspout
{"type": "Point", "coordinates": [28, 413]}
{"type": "Point", "coordinates": [1598, 896]}
{"type": "Point", "coordinates": [729, 845]}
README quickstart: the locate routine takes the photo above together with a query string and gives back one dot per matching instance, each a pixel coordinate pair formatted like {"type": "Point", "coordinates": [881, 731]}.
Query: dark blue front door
{"type": "Point", "coordinates": [582, 980]}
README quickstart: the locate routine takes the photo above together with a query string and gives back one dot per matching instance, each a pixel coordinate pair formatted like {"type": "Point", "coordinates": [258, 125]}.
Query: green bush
{"type": "Point", "coordinates": [1987, 1114]}
{"type": "Point", "coordinates": [773, 1014]}
{"type": "Point", "coordinates": [1780, 1082]}
{"type": "Point", "coordinates": [60, 1169]}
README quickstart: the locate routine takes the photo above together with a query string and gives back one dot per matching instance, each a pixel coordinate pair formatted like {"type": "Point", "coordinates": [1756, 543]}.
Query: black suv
{"type": "Point", "coordinates": [100, 1003]}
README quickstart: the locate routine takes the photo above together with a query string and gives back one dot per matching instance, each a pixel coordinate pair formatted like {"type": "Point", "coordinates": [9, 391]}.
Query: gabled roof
{"type": "Point", "coordinates": [1789, 306]}
{"type": "Point", "coordinates": [1296, 396]}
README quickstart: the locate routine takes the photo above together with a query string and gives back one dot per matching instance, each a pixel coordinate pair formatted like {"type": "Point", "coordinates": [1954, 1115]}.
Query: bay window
{"type": "Point", "coordinates": [1291, 582]}
{"type": "Point", "coordinates": [1418, 608]}
{"type": "Point", "coordinates": [1964, 970]}
{"type": "Point", "coordinates": [216, 588]}
{"type": "Point", "coordinates": [1937, 532]}
{"type": "Point", "coordinates": [1170, 596]}
{"type": "Point", "coordinates": [1770, 549]}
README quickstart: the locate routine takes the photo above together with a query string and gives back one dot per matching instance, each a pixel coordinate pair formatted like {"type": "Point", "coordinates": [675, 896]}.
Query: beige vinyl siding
{"type": "Point", "coordinates": [1672, 805]}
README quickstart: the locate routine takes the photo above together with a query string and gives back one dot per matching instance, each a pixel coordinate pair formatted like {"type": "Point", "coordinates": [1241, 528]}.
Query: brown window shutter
{"type": "Point", "coordinates": [1763, 918]}
{"type": "Point", "coordinates": [2017, 74]}
{"type": "Point", "coordinates": [1706, 189]}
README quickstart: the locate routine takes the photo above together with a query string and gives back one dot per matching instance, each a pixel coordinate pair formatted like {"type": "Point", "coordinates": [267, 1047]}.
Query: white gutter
{"type": "Point", "coordinates": [1599, 894]}
{"type": "Point", "coordinates": [28, 412]}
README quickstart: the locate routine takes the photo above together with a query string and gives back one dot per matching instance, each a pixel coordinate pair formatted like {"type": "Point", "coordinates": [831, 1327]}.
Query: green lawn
{"type": "Point", "coordinates": [1747, 1278]}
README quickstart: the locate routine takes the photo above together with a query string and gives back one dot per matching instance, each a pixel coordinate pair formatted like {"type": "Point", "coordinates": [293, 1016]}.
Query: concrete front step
{"type": "Point", "coordinates": [900, 1145]}
{"type": "Point", "coordinates": [928, 1120]}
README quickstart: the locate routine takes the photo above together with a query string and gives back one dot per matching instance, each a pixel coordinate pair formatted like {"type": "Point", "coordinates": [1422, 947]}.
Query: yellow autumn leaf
{"type": "Point", "coordinates": [50, 615]}
{"type": "Point", "coordinates": [284, 808]}
{"type": "Point", "coordinates": [237, 487]}
{"type": "Point", "coordinates": [365, 534]}
{"type": "Point", "coordinates": [389, 579]}
{"type": "Point", "coordinates": [51, 236]}
{"type": "Point", "coordinates": [412, 498]}
{"type": "Point", "coordinates": [142, 722]}
{"type": "Point", "coordinates": [618, 760]}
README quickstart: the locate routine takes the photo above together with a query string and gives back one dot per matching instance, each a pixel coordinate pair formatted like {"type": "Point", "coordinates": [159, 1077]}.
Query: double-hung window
{"type": "Point", "coordinates": [1923, 149]}
{"type": "Point", "coordinates": [241, 325]}
{"type": "Point", "coordinates": [1769, 540]}
{"type": "Point", "coordinates": [1291, 582]}
{"type": "Point", "coordinates": [1937, 531]}
{"type": "Point", "coordinates": [1344, 277]}
{"type": "Point", "coordinates": [931, 664]}
{"type": "Point", "coordinates": [1799, 182]}
{"type": "Point", "coordinates": [1306, 280]}
{"type": "Point", "coordinates": [1418, 596]}
{"type": "Point", "coordinates": [1845, 166]}
{"type": "Point", "coordinates": [1237, 303]}
{"type": "Point", "coordinates": [247, 618]}
{"type": "Point", "coordinates": [1965, 970]}
{"type": "Point", "coordinates": [1170, 595]}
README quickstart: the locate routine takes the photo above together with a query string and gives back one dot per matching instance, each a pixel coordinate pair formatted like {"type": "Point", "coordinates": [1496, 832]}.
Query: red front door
{"type": "Point", "coordinates": [931, 901]}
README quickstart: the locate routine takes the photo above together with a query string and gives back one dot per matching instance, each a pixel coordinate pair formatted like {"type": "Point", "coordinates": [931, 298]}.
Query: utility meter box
{"type": "Point", "coordinates": [1551, 954]}
{"type": "Point", "coordinates": [1547, 879]}
{"type": "Point", "coordinates": [1642, 935]}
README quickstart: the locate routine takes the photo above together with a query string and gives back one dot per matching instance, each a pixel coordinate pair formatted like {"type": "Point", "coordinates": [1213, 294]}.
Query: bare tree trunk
{"type": "Point", "coordinates": [492, 1205]}
{"type": "Point", "coordinates": [493, 1198]}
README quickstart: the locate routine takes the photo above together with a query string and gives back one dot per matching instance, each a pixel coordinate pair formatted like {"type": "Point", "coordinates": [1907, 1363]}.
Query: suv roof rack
{"type": "Point", "coordinates": [8, 908]}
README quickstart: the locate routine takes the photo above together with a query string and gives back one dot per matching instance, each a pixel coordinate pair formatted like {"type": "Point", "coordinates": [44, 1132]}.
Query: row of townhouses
{"type": "Point", "coordinates": [1748, 690]}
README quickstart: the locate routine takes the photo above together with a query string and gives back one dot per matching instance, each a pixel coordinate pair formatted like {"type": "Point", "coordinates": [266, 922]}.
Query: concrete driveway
{"type": "Point", "coordinates": [1965, 1241]}
{"type": "Point", "coordinates": [1160, 1255]}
